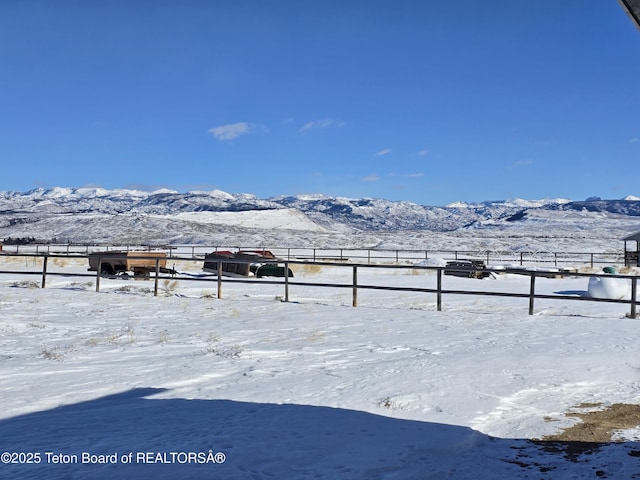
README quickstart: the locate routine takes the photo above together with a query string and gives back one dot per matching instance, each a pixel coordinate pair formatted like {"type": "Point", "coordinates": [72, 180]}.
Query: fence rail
{"type": "Point", "coordinates": [354, 285]}
{"type": "Point", "coordinates": [354, 255]}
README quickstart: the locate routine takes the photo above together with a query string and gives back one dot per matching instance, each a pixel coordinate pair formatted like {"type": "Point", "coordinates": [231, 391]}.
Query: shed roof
{"type": "Point", "coordinates": [635, 236]}
{"type": "Point", "coordinates": [632, 7]}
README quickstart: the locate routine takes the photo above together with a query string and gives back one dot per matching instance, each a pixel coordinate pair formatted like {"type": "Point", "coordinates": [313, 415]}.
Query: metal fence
{"type": "Point", "coordinates": [353, 255]}
{"type": "Point", "coordinates": [439, 291]}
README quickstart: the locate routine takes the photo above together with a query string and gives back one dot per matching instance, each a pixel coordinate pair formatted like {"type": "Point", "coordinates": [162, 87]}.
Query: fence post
{"type": "Point", "coordinates": [219, 279]}
{"type": "Point", "coordinates": [155, 283]}
{"type": "Point", "coordinates": [520, 258]}
{"type": "Point", "coordinates": [286, 281]}
{"type": "Point", "coordinates": [98, 274]}
{"type": "Point", "coordinates": [532, 292]}
{"type": "Point", "coordinates": [355, 287]}
{"type": "Point", "coordinates": [634, 289]}
{"type": "Point", "coordinates": [44, 270]}
{"type": "Point", "coordinates": [439, 287]}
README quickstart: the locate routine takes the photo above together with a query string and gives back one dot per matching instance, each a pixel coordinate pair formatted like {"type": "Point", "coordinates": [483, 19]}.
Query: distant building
{"type": "Point", "coordinates": [632, 7]}
{"type": "Point", "coordinates": [631, 255]}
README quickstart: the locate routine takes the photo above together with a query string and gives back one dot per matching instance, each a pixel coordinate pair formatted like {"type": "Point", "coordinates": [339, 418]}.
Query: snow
{"type": "Point", "coordinates": [286, 218]}
{"type": "Point", "coordinates": [86, 192]}
{"type": "Point", "coordinates": [514, 202]}
{"type": "Point", "coordinates": [609, 287]}
{"type": "Point", "coordinates": [93, 215]}
{"type": "Point", "coordinates": [220, 194]}
{"type": "Point", "coordinates": [310, 388]}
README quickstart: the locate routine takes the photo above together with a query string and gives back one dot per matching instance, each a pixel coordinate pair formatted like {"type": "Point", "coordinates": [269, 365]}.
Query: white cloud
{"type": "Point", "coordinates": [634, 140]}
{"type": "Point", "coordinates": [384, 151]}
{"type": "Point", "coordinates": [371, 178]}
{"type": "Point", "coordinates": [522, 163]}
{"type": "Point", "coordinates": [423, 153]}
{"type": "Point", "coordinates": [231, 131]}
{"type": "Point", "coordinates": [409, 175]}
{"type": "Point", "coordinates": [316, 124]}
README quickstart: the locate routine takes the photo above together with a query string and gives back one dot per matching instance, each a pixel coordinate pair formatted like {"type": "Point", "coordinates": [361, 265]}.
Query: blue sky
{"type": "Point", "coordinates": [426, 101]}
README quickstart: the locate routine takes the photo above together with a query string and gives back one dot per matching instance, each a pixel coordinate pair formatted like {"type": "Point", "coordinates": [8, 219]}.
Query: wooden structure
{"type": "Point", "coordinates": [245, 263]}
{"type": "Point", "coordinates": [631, 255]}
{"type": "Point", "coordinates": [632, 7]}
{"type": "Point", "coordinates": [118, 263]}
{"type": "Point", "coordinates": [233, 264]}
{"type": "Point", "coordinates": [439, 291]}
{"type": "Point", "coordinates": [466, 268]}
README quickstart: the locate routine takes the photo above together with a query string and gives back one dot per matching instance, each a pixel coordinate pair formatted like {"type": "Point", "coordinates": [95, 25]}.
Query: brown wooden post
{"type": "Point", "coordinates": [98, 274]}
{"type": "Point", "coordinates": [634, 289]}
{"type": "Point", "coordinates": [219, 279]}
{"type": "Point", "coordinates": [439, 287]}
{"type": "Point", "coordinates": [532, 292]}
{"type": "Point", "coordinates": [286, 281]}
{"type": "Point", "coordinates": [355, 287]}
{"type": "Point", "coordinates": [155, 283]}
{"type": "Point", "coordinates": [44, 270]}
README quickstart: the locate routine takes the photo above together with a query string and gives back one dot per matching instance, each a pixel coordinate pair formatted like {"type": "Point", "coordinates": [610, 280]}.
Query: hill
{"type": "Point", "coordinates": [95, 215]}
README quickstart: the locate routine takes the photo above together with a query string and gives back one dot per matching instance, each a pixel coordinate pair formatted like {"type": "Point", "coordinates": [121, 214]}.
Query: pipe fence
{"type": "Point", "coordinates": [352, 255]}
{"type": "Point", "coordinates": [286, 282]}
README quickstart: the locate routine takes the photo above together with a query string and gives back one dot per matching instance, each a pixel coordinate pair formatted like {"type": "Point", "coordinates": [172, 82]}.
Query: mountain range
{"type": "Point", "coordinates": [81, 215]}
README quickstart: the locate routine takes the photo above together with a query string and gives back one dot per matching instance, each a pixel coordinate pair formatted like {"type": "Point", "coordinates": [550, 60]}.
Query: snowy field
{"type": "Point", "coordinates": [121, 384]}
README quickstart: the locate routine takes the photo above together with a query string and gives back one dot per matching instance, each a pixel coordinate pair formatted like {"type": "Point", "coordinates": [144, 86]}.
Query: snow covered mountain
{"type": "Point", "coordinates": [101, 201]}
{"type": "Point", "coordinates": [166, 216]}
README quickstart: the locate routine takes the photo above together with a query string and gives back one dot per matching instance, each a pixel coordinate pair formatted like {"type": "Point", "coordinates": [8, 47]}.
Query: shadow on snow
{"type": "Point", "coordinates": [279, 441]}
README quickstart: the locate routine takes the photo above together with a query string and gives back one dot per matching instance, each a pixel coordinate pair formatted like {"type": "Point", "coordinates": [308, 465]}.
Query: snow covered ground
{"type": "Point", "coordinates": [122, 384]}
